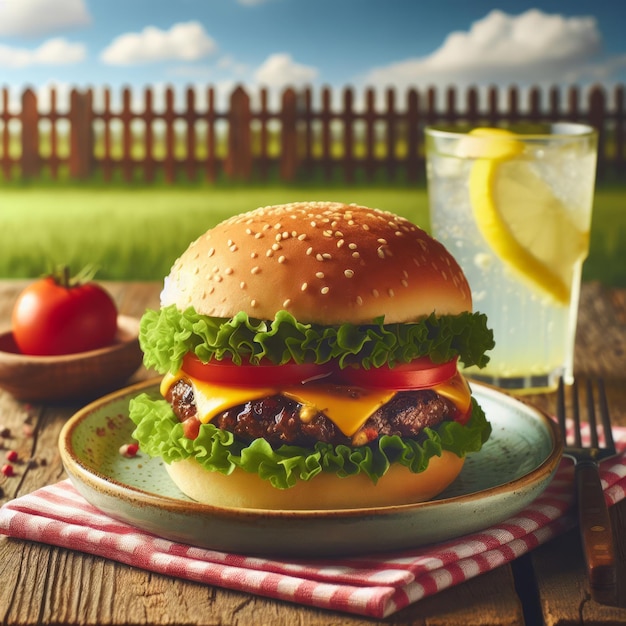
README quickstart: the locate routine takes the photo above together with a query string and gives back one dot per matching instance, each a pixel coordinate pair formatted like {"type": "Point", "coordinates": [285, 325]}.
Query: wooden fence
{"type": "Point", "coordinates": [294, 141]}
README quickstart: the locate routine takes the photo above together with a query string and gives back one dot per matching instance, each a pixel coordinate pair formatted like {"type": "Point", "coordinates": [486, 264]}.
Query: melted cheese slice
{"type": "Point", "coordinates": [457, 391]}
{"type": "Point", "coordinates": [348, 407]}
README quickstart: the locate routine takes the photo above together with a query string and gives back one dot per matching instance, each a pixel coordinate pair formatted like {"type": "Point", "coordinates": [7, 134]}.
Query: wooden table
{"type": "Point", "coordinates": [40, 584]}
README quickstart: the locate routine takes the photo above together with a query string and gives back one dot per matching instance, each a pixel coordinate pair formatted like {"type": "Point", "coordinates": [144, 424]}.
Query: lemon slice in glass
{"type": "Point", "coordinates": [521, 219]}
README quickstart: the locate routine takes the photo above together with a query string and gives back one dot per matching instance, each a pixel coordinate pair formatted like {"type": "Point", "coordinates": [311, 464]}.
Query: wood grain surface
{"type": "Point", "coordinates": [40, 584]}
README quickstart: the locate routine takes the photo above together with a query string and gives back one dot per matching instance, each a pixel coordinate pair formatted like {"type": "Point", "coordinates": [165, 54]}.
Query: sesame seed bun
{"type": "Point", "coordinates": [324, 262]}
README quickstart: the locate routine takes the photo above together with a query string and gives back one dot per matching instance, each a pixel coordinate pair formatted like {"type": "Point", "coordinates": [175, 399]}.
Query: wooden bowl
{"type": "Point", "coordinates": [82, 375]}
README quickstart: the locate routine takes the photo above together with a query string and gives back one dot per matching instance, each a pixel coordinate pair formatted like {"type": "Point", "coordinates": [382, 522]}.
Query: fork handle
{"type": "Point", "coordinates": [597, 537]}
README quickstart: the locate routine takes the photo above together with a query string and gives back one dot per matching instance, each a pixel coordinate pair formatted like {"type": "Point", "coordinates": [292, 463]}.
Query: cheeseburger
{"type": "Point", "coordinates": [309, 354]}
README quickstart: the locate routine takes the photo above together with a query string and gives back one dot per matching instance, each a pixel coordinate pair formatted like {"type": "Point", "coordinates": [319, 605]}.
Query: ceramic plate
{"type": "Point", "coordinates": [511, 470]}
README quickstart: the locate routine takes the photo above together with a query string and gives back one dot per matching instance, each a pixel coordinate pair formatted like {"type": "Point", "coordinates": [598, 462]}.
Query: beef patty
{"type": "Point", "coordinates": [281, 420]}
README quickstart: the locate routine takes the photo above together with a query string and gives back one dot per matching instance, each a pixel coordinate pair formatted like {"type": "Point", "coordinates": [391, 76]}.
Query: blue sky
{"type": "Point", "coordinates": [380, 43]}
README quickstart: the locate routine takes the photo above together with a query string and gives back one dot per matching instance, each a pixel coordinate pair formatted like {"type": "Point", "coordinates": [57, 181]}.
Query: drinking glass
{"type": "Point", "coordinates": [513, 205]}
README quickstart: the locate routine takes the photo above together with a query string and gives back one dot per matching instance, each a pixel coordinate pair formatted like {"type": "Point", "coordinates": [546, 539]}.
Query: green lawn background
{"type": "Point", "coordinates": [137, 233]}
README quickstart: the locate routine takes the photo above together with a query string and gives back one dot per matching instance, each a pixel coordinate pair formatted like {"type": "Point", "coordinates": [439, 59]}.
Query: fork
{"type": "Point", "coordinates": [593, 515]}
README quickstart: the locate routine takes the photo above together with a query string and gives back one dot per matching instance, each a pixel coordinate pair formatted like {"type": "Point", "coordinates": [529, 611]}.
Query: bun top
{"type": "Point", "coordinates": [323, 262]}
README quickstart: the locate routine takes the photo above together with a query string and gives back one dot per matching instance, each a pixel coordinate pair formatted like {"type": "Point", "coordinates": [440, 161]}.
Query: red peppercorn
{"type": "Point", "coordinates": [11, 456]}
{"type": "Point", "coordinates": [7, 470]}
{"type": "Point", "coordinates": [129, 450]}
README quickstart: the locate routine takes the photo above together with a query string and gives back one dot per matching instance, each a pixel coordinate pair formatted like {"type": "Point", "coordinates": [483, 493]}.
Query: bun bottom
{"type": "Point", "coordinates": [326, 491]}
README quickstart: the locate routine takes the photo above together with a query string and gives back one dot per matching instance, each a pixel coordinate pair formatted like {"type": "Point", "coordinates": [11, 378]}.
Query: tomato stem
{"type": "Point", "coordinates": [65, 278]}
{"type": "Point", "coordinates": [62, 276]}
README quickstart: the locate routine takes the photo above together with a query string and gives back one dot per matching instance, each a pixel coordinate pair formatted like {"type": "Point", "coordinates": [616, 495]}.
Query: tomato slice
{"type": "Point", "coordinates": [418, 374]}
{"type": "Point", "coordinates": [263, 375]}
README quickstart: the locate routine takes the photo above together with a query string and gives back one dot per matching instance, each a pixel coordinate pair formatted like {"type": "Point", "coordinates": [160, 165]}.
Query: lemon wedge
{"type": "Point", "coordinates": [519, 216]}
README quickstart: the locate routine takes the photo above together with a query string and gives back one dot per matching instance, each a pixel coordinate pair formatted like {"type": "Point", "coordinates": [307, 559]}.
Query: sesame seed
{"type": "Point", "coordinates": [258, 235]}
{"type": "Point", "coordinates": [319, 257]}
{"type": "Point", "coordinates": [352, 246]}
{"type": "Point", "coordinates": [248, 231]}
{"type": "Point", "coordinates": [328, 233]}
{"type": "Point", "coordinates": [252, 303]}
{"type": "Point", "coordinates": [218, 278]}
{"type": "Point", "coordinates": [211, 252]}
{"type": "Point", "coordinates": [327, 255]}
{"type": "Point", "coordinates": [234, 248]}
{"type": "Point", "coordinates": [319, 274]}
{"type": "Point", "coordinates": [340, 243]}
{"type": "Point", "coordinates": [256, 269]}
{"type": "Point", "coordinates": [381, 252]}
{"type": "Point", "coordinates": [228, 271]}
{"type": "Point", "coordinates": [230, 242]}
{"type": "Point", "coordinates": [391, 293]}
{"type": "Point", "coordinates": [304, 286]}
{"type": "Point", "coordinates": [375, 293]}
{"type": "Point", "coordinates": [348, 273]}
{"type": "Point", "coordinates": [381, 240]}
{"type": "Point", "coordinates": [324, 290]}
{"type": "Point", "coordinates": [269, 253]}
{"type": "Point", "coordinates": [242, 285]}
{"type": "Point", "coordinates": [281, 259]}
{"type": "Point", "coordinates": [302, 237]}
{"type": "Point", "coordinates": [309, 251]}
{"type": "Point", "coordinates": [356, 255]}
{"type": "Point", "coordinates": [359, 300]}
{"type": "Point", "coordinates": [287, 302]}
{"type": "Point", "coordinates": [276, 246]}
{"type": "Point", "coordinates": [405, 283]}
{"type": "Point", "coordinates": [366, 227]}
{"type": "Point", "coordinates": [211, 289]}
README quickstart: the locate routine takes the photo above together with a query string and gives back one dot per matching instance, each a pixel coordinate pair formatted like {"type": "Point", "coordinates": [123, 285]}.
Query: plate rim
{"type": "Point", "coordinates": [91, 477]}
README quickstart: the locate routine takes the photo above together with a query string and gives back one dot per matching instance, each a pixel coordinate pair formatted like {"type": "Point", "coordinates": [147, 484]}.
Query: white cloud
{"type": "Point", "coordinates": [532, 47]}
{"type": "Point", "coordinates": [33, 18]}
{"type": "Point", "coordinates": [186, 41]}
{"type": "Point", "coordinates": [56, 51]}
{"type": "Point", "coordinates": [280, 70]}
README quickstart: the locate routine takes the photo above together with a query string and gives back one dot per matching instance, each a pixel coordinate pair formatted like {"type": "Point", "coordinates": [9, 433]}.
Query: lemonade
{"type": "Point", "coordinates": [515, 211]}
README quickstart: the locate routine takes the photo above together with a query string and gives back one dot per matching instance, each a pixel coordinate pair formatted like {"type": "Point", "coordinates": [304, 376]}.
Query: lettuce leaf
{"type": "Point", "coordinates": [168, 334]}
{"type": "Point", "coordinates": [160, 434]}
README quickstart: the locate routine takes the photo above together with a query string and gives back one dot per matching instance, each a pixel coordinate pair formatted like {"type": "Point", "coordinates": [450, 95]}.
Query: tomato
{"type": "Point", "coordinates": [418, 374]}
{"type": "Point", "coordinates": [55, 316]}
{"type": "Point", "coordinates": [264, 375]}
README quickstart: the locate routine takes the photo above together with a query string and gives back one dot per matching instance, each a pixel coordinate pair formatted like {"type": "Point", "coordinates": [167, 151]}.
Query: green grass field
{"type": "Point", "coordinates": [137, 233]}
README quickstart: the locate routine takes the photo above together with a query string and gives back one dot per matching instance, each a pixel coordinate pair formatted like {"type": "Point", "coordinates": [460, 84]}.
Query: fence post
{"type": "Point", "coordinates": [288, 136]}
{"type": "Point", "coordinates": [620, 135]}
{"type": "Point", "coordinates": [81, 135]}
{"type": "Point", "coordinates": [348, 135]}
{"type": "Point", "coordinates": [30, 160]}
{"type": "Point", "coordinates": [239, 158]}
{"type": "Point", "coordinates": [415, 169]}
{"type": "Point", "coordinates": [596, 119]}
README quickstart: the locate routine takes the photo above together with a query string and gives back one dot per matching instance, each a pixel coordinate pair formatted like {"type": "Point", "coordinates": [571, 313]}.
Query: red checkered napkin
{"type": "Point", "coordinates": [374, 585]}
